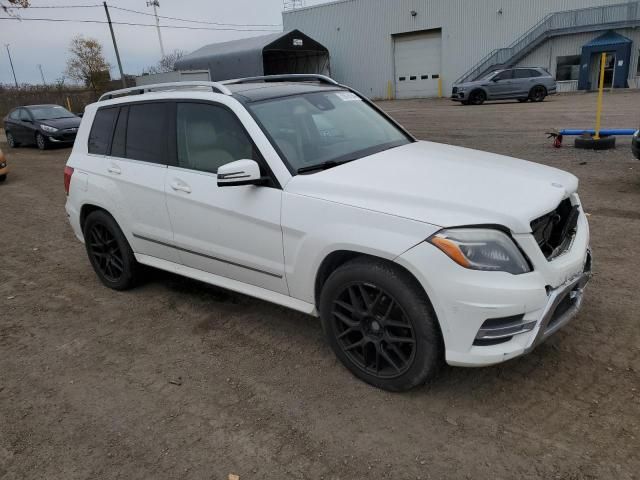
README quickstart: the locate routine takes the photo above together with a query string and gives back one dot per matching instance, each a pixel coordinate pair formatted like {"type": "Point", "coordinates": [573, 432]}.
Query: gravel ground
{"type": "Point", "coordinates": [177, 379]}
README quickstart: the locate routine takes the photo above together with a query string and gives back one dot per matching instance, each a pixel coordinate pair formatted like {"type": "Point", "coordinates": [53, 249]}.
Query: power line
{"type": "Point", "coordinates": [199, 21]}
{"type": "Point", "coordinates": [183, 27]}
{"type": "Point", "coordinates": [138, 12]}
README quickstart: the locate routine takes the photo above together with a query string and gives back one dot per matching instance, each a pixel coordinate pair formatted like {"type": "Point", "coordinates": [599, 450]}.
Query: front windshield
{"type": "Point", "coordinates": [49, 112]}
{"type": "Point", "coordinates": [315, 128]}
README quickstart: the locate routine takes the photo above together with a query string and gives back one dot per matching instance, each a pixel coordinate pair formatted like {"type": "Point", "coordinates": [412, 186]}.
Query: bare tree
{"type": "Point", "coordinates": [6, 5]}
{"type": "Point", "coordinates": [166, 63]}
{"type": "Point", "coordinates": [87, 63]}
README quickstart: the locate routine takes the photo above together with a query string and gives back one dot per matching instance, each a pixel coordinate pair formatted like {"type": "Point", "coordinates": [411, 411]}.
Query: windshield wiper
{"type": "Point", "coordinates": [323, 166]}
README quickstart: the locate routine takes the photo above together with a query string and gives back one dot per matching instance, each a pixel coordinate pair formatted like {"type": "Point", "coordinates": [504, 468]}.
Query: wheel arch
{"type": "Point", "coordinates": [337, 258]}
{"type": "Point", "coordinates": [89, 208]}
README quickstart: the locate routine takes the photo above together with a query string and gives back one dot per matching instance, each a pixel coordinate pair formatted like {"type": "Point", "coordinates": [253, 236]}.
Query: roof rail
{"type": "Point", "coordinates": [292, 77]}
{"type": "Point", "coordinates": [215, 86]}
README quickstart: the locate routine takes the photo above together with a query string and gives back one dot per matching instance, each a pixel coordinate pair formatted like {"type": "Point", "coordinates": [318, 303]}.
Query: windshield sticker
{"type": "Point", "coordinates": [347, 96]}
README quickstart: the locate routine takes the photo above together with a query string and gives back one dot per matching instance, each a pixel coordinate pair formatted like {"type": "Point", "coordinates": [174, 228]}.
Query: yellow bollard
{"type": "Point", "coordinates": [603, 61]}
{"type": "Point", "coordinates": [68, 104]}
{"type": "Point", "coordinates": [439, 87]}
{"type": "Point", "coordinates": [389, 91]}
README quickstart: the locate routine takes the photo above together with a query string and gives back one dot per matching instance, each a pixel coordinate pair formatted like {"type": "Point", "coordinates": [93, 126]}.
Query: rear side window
{"type": "Point", "coordinates": [534, 73]}
{"type": "Point", "coordinates": [146, 137]}
{"type": "Point", "coordinates": [522, 73]}
{"type": "Point", "coordinates": [100, 136]}
{"type": "Point", "coordinates": [209, 136]}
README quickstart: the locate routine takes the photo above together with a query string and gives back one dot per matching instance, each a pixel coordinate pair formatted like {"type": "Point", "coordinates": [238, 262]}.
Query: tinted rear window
{"type": "Point", "coordinates": [100, 136]}
{"type": "Point", "coordinates": [119, 134]}
{"type": "Point", "coordinates": [147, 135]}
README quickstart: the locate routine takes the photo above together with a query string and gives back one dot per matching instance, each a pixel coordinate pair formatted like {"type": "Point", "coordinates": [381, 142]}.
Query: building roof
{"type": "Point", "coordinates": [244, 57]}
{"type": "Point", "coordinates": [609, 38]}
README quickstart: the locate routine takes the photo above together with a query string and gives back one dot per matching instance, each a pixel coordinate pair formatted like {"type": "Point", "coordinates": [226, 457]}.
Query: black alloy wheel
{"type": "Point", "coordinates": [538, 94]}
{"type": "Point", "coordinates": [109, 252]}
{"type": "Point", "coordinates": [477, 97]}
{"type": "Point", "coordinates": [106, 253]}
{"type": "Point", "coordinates": [373, 330]}
{"type": "Point", "coordinates": [380, 324]}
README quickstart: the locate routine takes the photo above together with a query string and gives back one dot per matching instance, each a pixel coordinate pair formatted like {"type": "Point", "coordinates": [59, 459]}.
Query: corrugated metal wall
{"type": "Point", "coordinates": [358, 33]}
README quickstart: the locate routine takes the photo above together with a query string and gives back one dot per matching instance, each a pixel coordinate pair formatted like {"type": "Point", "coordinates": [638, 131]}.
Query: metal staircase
{"type": "Point", "coordinates": [582, 20]}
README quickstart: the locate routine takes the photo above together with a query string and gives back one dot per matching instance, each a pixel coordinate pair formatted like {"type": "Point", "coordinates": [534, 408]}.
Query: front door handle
{"type": "Point", "coordinates": [115, 170]}
{"type": "Point", "coordinates": [179, 186]}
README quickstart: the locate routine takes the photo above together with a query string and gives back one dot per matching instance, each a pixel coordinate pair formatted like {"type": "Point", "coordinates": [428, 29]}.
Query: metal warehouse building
{"type": "Point", "coordinates": [413, 48]}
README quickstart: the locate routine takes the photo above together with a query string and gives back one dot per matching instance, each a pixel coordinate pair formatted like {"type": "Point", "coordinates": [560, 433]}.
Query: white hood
{"type": "Point", "coordinates": [443, 185]}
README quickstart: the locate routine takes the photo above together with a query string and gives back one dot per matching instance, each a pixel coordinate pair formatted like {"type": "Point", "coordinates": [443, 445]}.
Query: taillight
{"type": "Point", "coordinates": [68, 172]}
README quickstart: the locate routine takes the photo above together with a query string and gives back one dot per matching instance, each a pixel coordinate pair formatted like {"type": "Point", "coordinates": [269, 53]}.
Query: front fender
{"type": "Point", "coordinates": [313, 229]}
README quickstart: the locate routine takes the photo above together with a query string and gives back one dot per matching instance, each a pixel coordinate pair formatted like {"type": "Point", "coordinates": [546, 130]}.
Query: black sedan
{"type": "Point", "coordinates": [40, 125]}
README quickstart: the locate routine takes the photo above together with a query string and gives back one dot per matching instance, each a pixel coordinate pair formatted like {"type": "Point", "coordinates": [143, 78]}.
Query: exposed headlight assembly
{"type": "Point", "coordinates": [481, 249]}
{"type": "Point", "coordinates": [49, 129]}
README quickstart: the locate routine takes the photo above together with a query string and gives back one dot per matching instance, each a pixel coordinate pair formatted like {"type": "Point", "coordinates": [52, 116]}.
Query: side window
{"type": "Point", "coordinates": [506, 75]}
{"type": "Point", "coordinates": [15, 115]}
{"type": "Point", "coordinates": [24, 115]}
{"type": "Point", "coordinates": [120, 134]}
{"type": "Point", "coordinates": [209, 136]}
{"type": "Point", "coordinates": [522, 73]}
{"type": "Point", "coordinates": [146, 135]}
{"type": "Point", "coordinates": [534, 73]}
{"type": "Point", "coordinates": [100, 136]}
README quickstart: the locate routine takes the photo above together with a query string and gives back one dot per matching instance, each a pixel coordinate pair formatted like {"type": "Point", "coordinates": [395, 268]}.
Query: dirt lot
{"type": "Point", "coordinates": [177, 379]}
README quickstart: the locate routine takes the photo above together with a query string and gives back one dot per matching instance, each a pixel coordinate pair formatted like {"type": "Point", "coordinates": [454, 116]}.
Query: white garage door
{"type": "Point", "coordinates": [418, 60]}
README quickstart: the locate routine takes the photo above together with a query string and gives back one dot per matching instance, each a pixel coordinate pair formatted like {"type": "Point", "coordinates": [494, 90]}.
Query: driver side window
{"type": "Point", "coordinates": [209, 136]}
{"type": "Point", "coordinates": [506, 75]}
{"type": "Point", "coordinates": [24, 115]}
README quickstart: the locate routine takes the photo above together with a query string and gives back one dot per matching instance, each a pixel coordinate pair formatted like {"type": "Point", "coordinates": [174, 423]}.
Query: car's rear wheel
{"type": "Point", "coordinates": [109, 252]}
{"type": "Point", "coordinates": [11, 140]}
{"type": "Point", "coordinates": [477, 97]}
{"type": "Point", "coordinates": [41, 142]}
{"type": "Point", "coordinates": [380, 324]}
{"type": "Point", "coordinates": [538, 93]}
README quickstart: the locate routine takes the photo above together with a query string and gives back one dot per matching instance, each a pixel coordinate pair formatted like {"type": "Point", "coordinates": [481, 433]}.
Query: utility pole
{"type": "Point", "coordinates": [155, 4]}
{"type": "Point", "coordinates": [44, 82]}
{"type": "Point", "coordinates": [115, 45]}
{"type": "Point", "coordinates": [11, 62]}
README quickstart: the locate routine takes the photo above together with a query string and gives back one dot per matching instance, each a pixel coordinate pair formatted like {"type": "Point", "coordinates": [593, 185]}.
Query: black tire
{"type": "Point", "coordinates": [477, 97]}
{"type": "Point", "coordinates": [11, 140]}
{"type": "Point", "coordinates": [109, 252]}
{"type": "Point", "coordinates": [41, 141]}
{"type": "Point", "coordinates": [590, 143]}
{"type": "Point", "coordinates": [3, 178]}
{"type": "Point", "coordinates": [464, 102]}
{"type": "Point", "coordinates": [523, 100]}
{"type": "Point", "coordinates": [392, 340]}
{"type": "Point", "coordinates": [538, 94]}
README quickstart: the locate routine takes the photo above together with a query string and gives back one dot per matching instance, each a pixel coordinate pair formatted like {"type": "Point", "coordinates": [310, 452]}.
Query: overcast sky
{"type": "Point", "coordinates": [45, 43]}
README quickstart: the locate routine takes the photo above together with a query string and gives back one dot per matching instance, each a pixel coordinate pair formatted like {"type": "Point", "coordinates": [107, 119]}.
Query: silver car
{"type": "Point", "coordinates": [522, 84]}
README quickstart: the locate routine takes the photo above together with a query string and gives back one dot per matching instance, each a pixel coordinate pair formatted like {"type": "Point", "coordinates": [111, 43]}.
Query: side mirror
{"type": "Point", "coordinates": [240, 172]}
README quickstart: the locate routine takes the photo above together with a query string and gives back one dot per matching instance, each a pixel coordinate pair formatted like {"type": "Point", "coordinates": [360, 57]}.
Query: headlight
{"type": "Point", "coordinates": [461, 89]}
{"type": "Point", "coordinates": [481, 249]}
{"type": "Point", "coordinates": [49, 129]}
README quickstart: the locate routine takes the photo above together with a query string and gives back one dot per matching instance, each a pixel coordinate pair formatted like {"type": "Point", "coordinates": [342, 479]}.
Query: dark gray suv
{"type": "Point", "coordinates": [522, 84]}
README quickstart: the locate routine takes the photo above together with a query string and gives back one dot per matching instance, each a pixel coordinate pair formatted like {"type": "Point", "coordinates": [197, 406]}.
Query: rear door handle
{"type": "Point", "coordinates": [179, 186]}
{"type": "Point", "coordinates": [115, 170]}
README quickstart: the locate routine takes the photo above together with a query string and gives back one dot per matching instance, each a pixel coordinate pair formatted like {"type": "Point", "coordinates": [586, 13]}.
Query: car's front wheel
{"type": "Point", "coordinates": [41, 141]}
{"type": "Point", "coordinates": [477, 97]}
{"type": "Point", "coordinates": [109, 252]}
{"type": "Point", "coordinates": [11, 140]}
{"type": "Point", "coordinates": [380, 324]}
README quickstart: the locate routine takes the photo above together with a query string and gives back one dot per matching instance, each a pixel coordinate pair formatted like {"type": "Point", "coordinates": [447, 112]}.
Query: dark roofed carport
{"type": "Point", "coordinates": [286, 52]}
{"type": "Point", "coordinates": [618, 48]}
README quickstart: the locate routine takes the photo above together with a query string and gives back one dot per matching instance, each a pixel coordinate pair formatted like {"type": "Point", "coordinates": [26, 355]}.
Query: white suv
{"type": "Point", "coordinates": [301, 192]}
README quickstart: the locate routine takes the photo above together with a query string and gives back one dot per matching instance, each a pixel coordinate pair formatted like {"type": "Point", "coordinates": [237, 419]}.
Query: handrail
{"type": "Point", "coordinates": [553, 23]}
{"type": "Point", "coordinates": [293, 77]}
{"type": "Point", "coordinates": [139, 90]}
